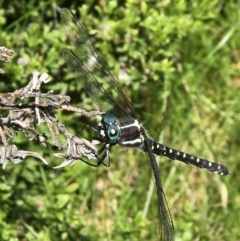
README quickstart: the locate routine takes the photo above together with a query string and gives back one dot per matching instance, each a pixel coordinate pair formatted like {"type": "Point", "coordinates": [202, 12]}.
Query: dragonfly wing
{"type": "Point", "coordinates": [166, 228]}
{"type": "Point", "coordinates": [91, 70]}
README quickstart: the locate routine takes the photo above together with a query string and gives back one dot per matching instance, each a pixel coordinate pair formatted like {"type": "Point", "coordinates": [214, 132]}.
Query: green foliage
{"type": "Point", "coordinates": [178, 62]}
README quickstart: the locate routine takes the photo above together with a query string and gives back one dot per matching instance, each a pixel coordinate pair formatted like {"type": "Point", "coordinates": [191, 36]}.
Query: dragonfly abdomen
{"type": "Point", "coordinates": [173, 154]}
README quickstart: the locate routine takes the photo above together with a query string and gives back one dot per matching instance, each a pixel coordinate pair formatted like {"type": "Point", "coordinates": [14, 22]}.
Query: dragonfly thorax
{"type": "Point", "coordinates": [108, 129]}
{"type": "Point", "coordinates": [131, 133]}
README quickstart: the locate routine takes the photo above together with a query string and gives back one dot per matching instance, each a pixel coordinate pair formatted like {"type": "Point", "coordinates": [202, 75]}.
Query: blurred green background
{"type": "Point", "coordinates": [178, 62]}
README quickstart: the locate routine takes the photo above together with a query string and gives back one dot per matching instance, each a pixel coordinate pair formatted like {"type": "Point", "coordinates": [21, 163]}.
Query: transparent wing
{"type": "Point", "coordinates": [166, 228]}
{"type": "Point", "coordinates": [91, 70]}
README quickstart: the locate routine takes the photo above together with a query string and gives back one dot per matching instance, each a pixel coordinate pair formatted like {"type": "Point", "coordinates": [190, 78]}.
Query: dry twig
{"type": "Point", "coordinates": [5, 56]}
{"type": "Point", "coordinates": [25, 117]}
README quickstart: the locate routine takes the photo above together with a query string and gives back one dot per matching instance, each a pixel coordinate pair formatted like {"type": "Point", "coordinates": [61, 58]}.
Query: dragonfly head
{"type": "Point", "coordinates": [108, 128]}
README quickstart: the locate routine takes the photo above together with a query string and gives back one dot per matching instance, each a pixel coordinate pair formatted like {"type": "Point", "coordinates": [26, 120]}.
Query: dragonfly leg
{"type": "Point", "coordinates": [87, 126]}
{"type": "Point", "coordinates": [106, 155]}
{"type": "Point", "coordinates": [91, 164]}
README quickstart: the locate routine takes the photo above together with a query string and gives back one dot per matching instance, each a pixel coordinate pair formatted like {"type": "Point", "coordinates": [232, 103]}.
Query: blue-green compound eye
{"type": "Point", "coordinates": [109, 119]}
{"type": "Point", "coordinates": [113, 133]}
{"type": "Point", "coordinates": [111, 129]}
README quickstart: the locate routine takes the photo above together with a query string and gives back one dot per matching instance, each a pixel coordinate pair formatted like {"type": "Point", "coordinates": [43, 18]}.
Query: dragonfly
{"type": "Point", "coordinates": [119, 124]}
